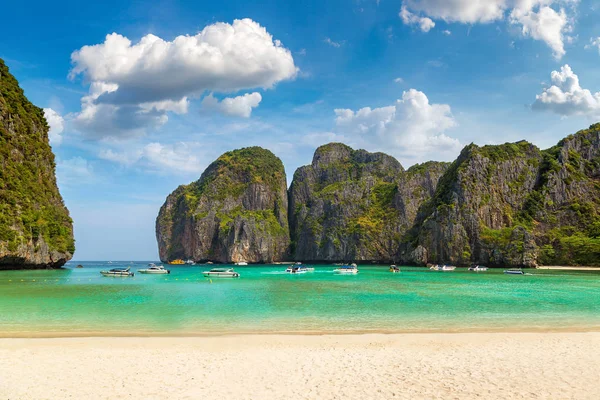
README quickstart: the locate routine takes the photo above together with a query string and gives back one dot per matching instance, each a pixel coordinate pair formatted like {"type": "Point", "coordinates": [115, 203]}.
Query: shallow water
{"type": "Point", "coordinates": [265, 299]}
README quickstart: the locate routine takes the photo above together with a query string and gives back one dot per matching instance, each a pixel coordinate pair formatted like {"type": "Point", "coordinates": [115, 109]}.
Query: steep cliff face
{"type": "Point", "coordinates": [514, 204]}
{"type": "Point", "coordinates": [35, 228]}
{"type": "Point", "coordinates": [355, 205]}
{"type": "Point", "coordinates": [236, 211]}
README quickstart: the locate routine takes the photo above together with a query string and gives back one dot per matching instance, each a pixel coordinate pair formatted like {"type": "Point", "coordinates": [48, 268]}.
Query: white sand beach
{"type": "Point", "coordinates": [369, 366]}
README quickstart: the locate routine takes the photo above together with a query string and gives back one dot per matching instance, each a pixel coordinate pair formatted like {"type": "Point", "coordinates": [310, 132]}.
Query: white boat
{"type": "Point", "coordinates": [154, 269]}
{"type": "Point", "coordinates": [394, 269]}
{"type": "Point", "coordinates": [351, 269]}
{"type": "Point", "coordinates": [221, 273]}
{"type": "Point", "coordinates": [298, 269]}
{"type": "Point", "coordinates": [442, 268]}
{"type": "Point", "coordinates": [478, 268]}
{"type": "Point", "coordinates": [190, 262]}
{"type": "Point", "coordinates": [117, 272]}
{"type": "Point", "coordinates": [514, 271]}
{"type": "Point", "coordinates": [241, 263]}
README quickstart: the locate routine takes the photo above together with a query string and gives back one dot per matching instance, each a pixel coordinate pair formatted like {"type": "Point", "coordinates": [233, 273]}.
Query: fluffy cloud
{"type": "Point", "coordinates": [240, 106]}
{"type": "Point", "coordinates": [566, 96]}
{"type": "Point", "coordinates": [178, 158]}
{"type": "Point", "coordinates": [57, 126]}
{"type": "Point", "coordinates": [424, 23]}
{"type": "Point", "coordinates": [134, 86]}
{"type": "Point", "coordinates": [544, 20]}
{"type": "Point", "coordinates": [412, 128]}
{"type": "Point", "coordinates": [546, 25]}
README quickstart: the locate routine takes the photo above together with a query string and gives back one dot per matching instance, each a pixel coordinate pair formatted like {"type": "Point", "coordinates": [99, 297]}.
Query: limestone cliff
{"type": "Point", "coordinates": [355, 205]}
{"type": "Point", "coordinates": [236, 211]}
{"type": "Point", "coordinates": [35, 228]}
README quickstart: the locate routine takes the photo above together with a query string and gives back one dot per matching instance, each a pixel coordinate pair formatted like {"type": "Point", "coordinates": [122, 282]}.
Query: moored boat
{"type": "Point", "coordinates": [351, 269]}
{"type": "Point", "coordinates": [221, 273]}
{"type": "Point", "coordinates": [189, 262]}
{"type": "Point", "coordinates": [514, 271]}
{"type": "Point", "coordinates": [242, 263]}
{"type": "Point", "coordinates": [177, 262]}
{"type": "Point", "coordinates": [117, 272]}
{"type": "Point", "coordinates": [478, 268]}
{"type": "Point", "coordinates": [394, 269]}
{"type": "Point", "coordinates": [298, 269]}
{"type": "Point", "coordinates": [154, 269]}
{"type": "Point", "coordinates": [442, 268]}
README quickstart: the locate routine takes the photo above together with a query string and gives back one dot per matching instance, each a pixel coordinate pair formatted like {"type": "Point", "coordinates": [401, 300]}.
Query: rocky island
{"type": "Point", "coordinates": [36, 230]}
{"type": "Point", "coordinates": [236, 211]}
{"type": "Point", "coordinates": [498, 205]}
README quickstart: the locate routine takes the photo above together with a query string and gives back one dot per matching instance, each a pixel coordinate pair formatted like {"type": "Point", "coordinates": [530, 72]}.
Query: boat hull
{"type": "Point", "coordinates": [221, 275]}
{"type": "Point", "coordinates": [149, 272]}
{"type": "Point", "coordinates": [115, 274]}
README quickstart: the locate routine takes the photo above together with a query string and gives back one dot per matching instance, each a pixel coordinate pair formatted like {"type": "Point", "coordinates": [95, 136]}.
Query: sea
{"type": "Point", "coordinates": [81, 302]}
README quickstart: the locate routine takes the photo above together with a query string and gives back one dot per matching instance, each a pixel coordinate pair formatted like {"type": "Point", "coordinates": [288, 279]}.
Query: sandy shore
{"type": "Point", "coordinates": [372, 366]}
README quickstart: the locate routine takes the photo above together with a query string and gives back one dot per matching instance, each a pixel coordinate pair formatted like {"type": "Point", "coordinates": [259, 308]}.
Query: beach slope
{"type": "Point", "coordinates": [370, 366]}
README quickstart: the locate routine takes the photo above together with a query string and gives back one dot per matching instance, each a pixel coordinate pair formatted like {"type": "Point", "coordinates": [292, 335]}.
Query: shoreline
{"type": "Point", "coordinates": [225, 334]}
{"type": "Point", "coordinates": [373, 366]}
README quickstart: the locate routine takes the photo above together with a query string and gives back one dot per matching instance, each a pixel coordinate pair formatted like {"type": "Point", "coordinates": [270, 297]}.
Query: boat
{"type": "Point", "coordinates": [221, 273]}
{"type": "Point", "coordinates": [394, 269]}
{"type": "Point", "coordinates": [154, 269]}
{"type": "Point", "coordinates": [514, 271]}
{"type": "Point", "coordinates": [177, 262]}
{"type": "Point", "coordinates": [351, 269]}
{"type": "Point", "coordinates": [478, 268]}
{"type": "Point", "coordinates": [442, 268]}
{"type": "Point", "coordinates": [298, 269]}
{"type": "Point", "coordinates": [190, 262]}
{"type": "Point", "coordinates": [242, 263]}
{"type": "Point", "coordinates": [117, 272]}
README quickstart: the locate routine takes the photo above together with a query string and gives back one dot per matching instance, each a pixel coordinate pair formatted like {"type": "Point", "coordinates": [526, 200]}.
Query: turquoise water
{"type": "Point", "coordinates": [265, 299]}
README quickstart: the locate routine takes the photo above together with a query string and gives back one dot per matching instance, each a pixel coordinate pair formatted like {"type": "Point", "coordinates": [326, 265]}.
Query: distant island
{"type": "Point", "coordinates": [497, 205]}
{"type": "Point", "coordinates": [36, 230]}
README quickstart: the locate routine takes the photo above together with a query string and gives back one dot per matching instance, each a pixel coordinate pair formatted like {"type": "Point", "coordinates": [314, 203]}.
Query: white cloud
{"type": "Point", "coordinates": [594, 43]}
{"type": "Point", "coordinates": [545, 20]}
{"type": "Point", "coordinates": [566, 96]}
{"type": "Point", "coordinates": [332, 43]}
{"type": "Point", "coordinates": [169, 159]}
{"type": "Point", "coordinates": [398, 80]}
{"type": "Point", "coordinates": [74, 171]}
{"type": "Point", "coordinates": [240, 106]}
{"type": "Point", "coordinates": [464, 11]}
{"type": "Point", "coordinates": [546, 24]}
{"type": "Point", "coordinates": [447, 32]}
{"type": "Point", "coordinates": [411, 129]}
{"type": "Point", "coordinates": [57, 125]}
{"type": "Point", "coordinates": [134, 86]}
{"type": "Point", "coordinates": [424, 23]}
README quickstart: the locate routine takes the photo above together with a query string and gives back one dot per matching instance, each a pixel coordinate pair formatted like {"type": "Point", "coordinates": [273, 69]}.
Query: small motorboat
{"type": "Point", "coordinates": [298, 269]}
{"type": "Point", "coordinates": [154, 269]}
{"type": "Point", "coordinates": [514, 271]}
{"type": "Point", "coordinates": [117, 272]}
{"type": "Point", "coordinates": [351, 269]}
{"type": "Point", "coordinates": [394, 269]}
{"type": "Point", "coordinates": [177, 262]}
{"type": "Point", "coordinates": [241, 263]}
{"type": "Point", "coordinates": [221, 273]}
{"type": "Point", "coordinates": [189, 262]}
{"type": "Point", "coordinates": [442, 268]}
{"type": "Point", "coordinates": [478, 268]}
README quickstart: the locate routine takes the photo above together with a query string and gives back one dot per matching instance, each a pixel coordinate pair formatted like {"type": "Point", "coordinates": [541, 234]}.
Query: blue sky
{"type": "Point", "coordinates": [178, 83]}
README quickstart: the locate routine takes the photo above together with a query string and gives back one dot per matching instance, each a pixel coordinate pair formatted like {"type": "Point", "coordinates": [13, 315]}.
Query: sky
{"type": "Point", "coordinates": [142, 96]}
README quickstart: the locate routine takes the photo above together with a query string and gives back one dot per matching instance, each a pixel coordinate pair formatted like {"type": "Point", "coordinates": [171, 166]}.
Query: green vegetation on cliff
{"type": "Point", "coordinates": [31, 207]}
